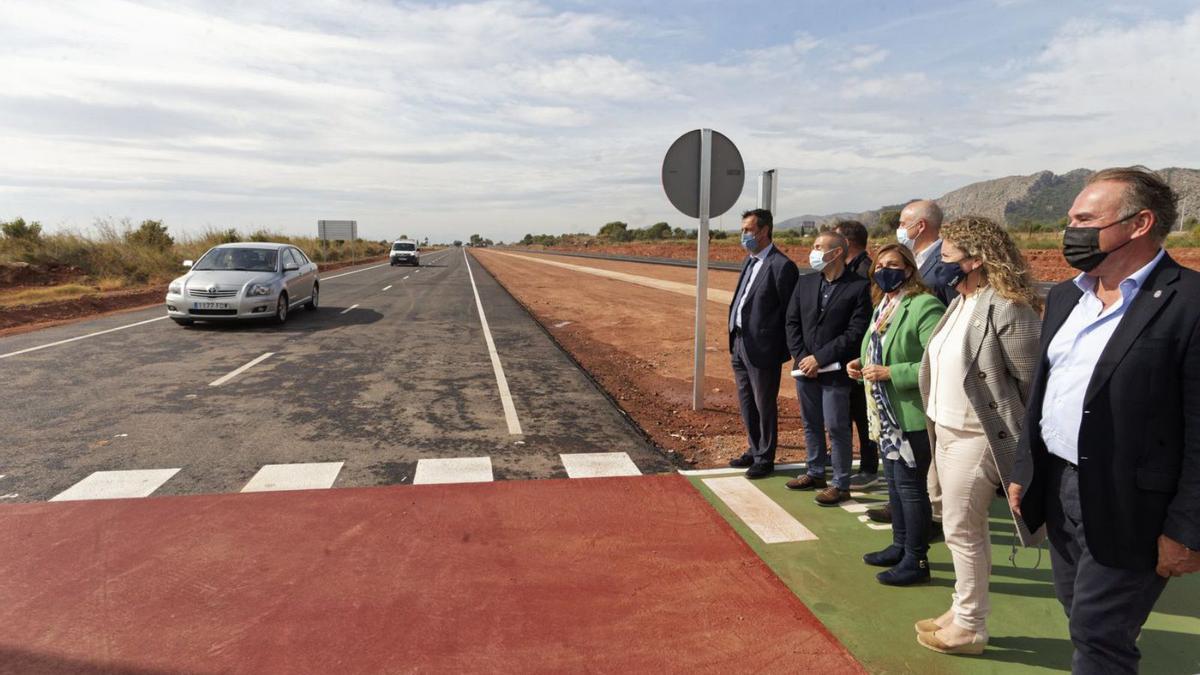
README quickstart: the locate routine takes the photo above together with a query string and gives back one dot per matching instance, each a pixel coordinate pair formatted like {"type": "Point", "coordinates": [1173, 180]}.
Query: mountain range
{"type": "Point", "coordinates": [1042, 197]}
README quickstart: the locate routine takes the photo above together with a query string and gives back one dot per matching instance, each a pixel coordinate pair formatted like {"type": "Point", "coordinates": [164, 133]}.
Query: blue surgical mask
{"type": "Point", "coordinates": [750, 242]}
{"type": "Point", "coordinates": [816, 260]}
{"type": "Point", "coordinates": [903, 238]}
{"type": "Point", "coordinates": [889, 279]}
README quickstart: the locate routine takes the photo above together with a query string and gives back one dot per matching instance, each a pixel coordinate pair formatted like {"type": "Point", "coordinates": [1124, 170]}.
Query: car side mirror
{"type": "Point", "coordinates": [291, 268]}
{"type": "Point", "coordinates": [187, 263]}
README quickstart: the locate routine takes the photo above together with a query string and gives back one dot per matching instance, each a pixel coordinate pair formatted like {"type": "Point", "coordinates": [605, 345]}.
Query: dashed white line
{"type": "Point", "coordinates": [116, 485]}
{"type": "Point", "coordinates": [306, 476]}
{"type": "Point", "coordinates": [387, 287]}
{"type": "Point", "coordinates": [453, 470]}
{"type": "Point", "coordinates": [344, 311]}
{"type": "Point", "coordinates": [598, 464]}
{"type": "Point", "coordinates": [222, 380]}
{"type": "Point", "coordinates": [405, 278]}
{"type": "Point", "coordinates": [510, 411]}
{"type": "Point", "coordinates": [81, 337]}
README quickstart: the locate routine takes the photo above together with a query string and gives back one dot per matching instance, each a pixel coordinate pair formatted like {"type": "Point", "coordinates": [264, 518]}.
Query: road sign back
{"type": "Point", "coordinates": [681, 174]}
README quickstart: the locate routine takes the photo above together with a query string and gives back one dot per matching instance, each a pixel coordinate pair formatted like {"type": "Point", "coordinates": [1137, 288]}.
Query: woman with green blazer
{"type": "Point", "coordinates": [904, 318]}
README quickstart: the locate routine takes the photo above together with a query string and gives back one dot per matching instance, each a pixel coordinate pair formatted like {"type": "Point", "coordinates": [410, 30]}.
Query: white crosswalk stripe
{"type": "Point", "coordinates": [307, 476]}
{"type": "Point", "coordinates": [116, 485]}
{"type": "Point", "coordinates": [453, 470]}
{"type": "Point", "coordinates": [597, 464]}
{"type": "Point", "coordinates": [759, 512]}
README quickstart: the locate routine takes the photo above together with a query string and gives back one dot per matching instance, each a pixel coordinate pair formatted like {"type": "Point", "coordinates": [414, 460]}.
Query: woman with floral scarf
{"type": "Point", "coordinates": [904, 318]}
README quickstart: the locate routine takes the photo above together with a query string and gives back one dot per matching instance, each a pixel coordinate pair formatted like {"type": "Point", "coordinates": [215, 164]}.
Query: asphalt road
{"type": "Point", "coordinates": [405, 375]}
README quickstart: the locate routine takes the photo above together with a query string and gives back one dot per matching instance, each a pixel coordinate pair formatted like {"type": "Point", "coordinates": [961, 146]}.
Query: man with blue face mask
{"type": "Point", "coordinates": [826, 320]}
{"type": "Point", "coordinates": [758, 340]}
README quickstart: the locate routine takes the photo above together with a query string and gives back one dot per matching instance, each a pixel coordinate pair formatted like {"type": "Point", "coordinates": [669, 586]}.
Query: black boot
{"type": "Point", "coordinates": [907, 573]}
{"type": "Point", "coordinates": [888, 557]}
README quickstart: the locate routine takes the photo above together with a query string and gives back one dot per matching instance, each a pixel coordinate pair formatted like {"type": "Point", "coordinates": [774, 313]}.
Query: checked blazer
{"type": "Point", "coordinates": [1001, 354]}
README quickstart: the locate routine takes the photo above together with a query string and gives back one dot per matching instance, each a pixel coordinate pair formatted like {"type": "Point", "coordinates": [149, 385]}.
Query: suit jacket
{"type": "Point", "coordinates": [932, 264]}
{"type": "Point", "coordinates": [832, 336]}
{"type": "Point", "coordinates": [763, 315]}
{"type": "Point", "coordinates": [1000, 353]}
{"type": "Point", "coordinates": [861, 265]}
{"type": "Point", "coordinates": [903, 348]}
{"type": "Point", "coordinates": [1139, 442]}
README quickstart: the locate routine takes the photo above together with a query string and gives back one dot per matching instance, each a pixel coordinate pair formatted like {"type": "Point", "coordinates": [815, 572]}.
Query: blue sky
{"type": "Point", "coordinates": [512, 116]}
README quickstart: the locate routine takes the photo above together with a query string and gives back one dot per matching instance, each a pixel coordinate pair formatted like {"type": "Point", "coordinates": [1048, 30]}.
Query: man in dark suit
{"type": "Point", "coordinates": [859, 262]}
{"type": "Point", "coordinates": [1109, 459]}
{"type": "Point", "coordinates": [921, 231]}
{"type": "Point", "coordinates": [826, 320]}
{"type": "Point", "coordinates": [758, 339]}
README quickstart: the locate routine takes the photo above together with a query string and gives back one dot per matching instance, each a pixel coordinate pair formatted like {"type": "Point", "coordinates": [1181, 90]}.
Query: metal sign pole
{"type": "Point", "coordinates": [702, 266]}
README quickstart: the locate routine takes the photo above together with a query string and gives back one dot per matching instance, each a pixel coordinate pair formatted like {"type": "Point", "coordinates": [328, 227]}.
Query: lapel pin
{"type": "Point", "coordinates": [1158, 294]}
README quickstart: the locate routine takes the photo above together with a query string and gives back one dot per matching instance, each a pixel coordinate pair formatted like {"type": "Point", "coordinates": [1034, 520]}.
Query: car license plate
{"type": "Point", "coordinates": [210, 305]}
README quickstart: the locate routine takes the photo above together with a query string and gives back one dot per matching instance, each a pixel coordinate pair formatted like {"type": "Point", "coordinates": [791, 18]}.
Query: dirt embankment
{"type": "Point", "coordinates": [1047, 264]}
{"type": "Point", "coordinates": [24, 318]}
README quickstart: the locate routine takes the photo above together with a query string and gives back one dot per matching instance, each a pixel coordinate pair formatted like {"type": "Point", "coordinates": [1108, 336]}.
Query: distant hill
{"type": "Point", "coordinates": [1041, 197]}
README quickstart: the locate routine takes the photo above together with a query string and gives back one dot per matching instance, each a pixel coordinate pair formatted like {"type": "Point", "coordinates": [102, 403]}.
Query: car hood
{"type": "Point", "coordinates": [226, 278]}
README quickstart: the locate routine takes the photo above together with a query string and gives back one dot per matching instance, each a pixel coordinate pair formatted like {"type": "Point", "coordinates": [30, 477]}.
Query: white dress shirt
{"type": "Point", "coordinates": [923, 256]}
{"type": "Point", "coordinates": [1073, 354]}
{"type": "Point", "coordinates": [762, 258]}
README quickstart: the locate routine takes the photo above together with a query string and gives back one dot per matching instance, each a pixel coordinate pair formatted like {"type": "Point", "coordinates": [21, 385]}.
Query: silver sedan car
{"type": "Point", "coordinates": [244, 281]}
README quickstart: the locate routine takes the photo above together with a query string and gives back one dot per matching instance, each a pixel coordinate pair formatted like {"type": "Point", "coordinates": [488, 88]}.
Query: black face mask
{"type": "Point", "coordinates": [1081, 245]}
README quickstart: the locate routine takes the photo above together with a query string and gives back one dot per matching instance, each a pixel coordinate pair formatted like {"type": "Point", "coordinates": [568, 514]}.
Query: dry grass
{"type": "Point", "coordinates": [34, 296]}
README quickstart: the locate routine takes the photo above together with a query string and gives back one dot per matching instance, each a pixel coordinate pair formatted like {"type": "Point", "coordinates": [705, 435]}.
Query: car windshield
{"type": "Point", "coordinates": [239, 259]}
{"type": "Point", "coordinates": [404, 247]}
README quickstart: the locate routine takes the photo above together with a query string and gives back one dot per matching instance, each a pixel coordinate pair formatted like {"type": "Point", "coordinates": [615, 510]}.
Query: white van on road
{"type": "Point", "coordinates": [405, 252]}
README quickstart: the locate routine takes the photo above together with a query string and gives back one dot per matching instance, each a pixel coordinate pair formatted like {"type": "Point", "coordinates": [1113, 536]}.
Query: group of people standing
{"type": "Point", "coordinates": [1083, 409]}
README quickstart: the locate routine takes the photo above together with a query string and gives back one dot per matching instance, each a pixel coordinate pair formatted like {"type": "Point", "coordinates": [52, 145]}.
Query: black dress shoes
{"type": "Point", "coordinates": [760, 471]}
{"type": "Point", "coordinates": [743, 462]}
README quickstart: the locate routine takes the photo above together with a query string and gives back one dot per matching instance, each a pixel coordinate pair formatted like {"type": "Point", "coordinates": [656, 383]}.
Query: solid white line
{"type": "Point", "coordinates": [222, 380]}
{"type": "Point", "coordinates": [596, 464]}
{"type": "Point", "coordinates": [387, 287]}
{"type": "Point", "coordinates": [729, 470]}
{"type": "Point", "coordinates": [510, 411]}
{"type": "Point", "coordinates": [344, 311]}
{"type": "Point", "coordinates": [81, 337]}
{"type": "Point", "coordinates": [346, 274]}
{"type": "Point", "coordinates": [759, 512]}
{"type": "Point", "coordinates": [116, 485]}
{"type": "Point", "coordinates": [307, 476]}
{"type": "Point", "coordinates": [453, 470]}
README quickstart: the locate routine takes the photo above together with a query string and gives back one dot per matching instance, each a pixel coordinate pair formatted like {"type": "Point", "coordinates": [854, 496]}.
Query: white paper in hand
{"type": "Point", "coordinates": [833, 367]}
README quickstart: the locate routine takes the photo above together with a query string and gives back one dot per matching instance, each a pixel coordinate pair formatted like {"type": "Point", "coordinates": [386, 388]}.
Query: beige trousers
{"type": "Point", "coordinates": [968, 477]}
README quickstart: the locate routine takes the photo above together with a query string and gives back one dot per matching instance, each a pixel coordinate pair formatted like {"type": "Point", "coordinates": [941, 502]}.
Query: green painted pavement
{"type": "Point", "coordinates": [875, 622]}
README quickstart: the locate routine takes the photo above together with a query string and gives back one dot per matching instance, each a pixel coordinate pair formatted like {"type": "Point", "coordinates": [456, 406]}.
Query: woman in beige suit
{"type": "Point", "coordinates": [974, 380]}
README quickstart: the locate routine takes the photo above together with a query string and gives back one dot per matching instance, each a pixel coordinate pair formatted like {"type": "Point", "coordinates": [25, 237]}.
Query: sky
{"type": "Point", "coordinates": [507, 117]}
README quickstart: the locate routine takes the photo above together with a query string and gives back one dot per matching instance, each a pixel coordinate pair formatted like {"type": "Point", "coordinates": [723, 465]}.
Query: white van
{"type": "Point", "coordinates": [405, 252]}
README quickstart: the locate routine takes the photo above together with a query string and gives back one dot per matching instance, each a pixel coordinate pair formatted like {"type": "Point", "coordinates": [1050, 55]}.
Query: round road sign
{"type": "Point", "coordinates": [681, 174]}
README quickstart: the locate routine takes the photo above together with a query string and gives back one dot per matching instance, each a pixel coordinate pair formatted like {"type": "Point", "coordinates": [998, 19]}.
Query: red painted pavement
{"type": "Point", "coordinates": [612, 574]}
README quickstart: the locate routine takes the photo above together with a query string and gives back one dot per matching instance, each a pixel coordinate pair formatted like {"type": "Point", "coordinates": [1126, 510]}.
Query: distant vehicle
{"type": "Point", "coordinates": [244, 281]}
{"type": "Point", "coordinates": [405, 252]}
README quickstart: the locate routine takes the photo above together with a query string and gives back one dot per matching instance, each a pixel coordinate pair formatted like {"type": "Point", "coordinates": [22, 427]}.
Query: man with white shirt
{"type": "Point", "coordinates": [758, 340]}
{"type": "Point", "coordinates": [1109, 458]}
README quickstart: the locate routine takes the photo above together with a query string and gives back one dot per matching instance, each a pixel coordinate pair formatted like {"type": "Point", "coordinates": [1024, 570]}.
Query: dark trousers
{"type": "Point", "coordinates": [909, 499]}
{"type": "Point", "coordinates": [825, 406]}
{"type": "Point", "coordinates": [1105, 606]}
{"type": "Point", "coordinates": [868, 450]}
{"type": "Point", "coordinates": [758, 396]}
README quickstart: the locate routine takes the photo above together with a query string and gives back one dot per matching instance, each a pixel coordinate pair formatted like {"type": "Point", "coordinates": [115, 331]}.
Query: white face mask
{"type": "Point", "coordinates": [903, 238]}
{"type": "Point", "coordinates": [816, 260]}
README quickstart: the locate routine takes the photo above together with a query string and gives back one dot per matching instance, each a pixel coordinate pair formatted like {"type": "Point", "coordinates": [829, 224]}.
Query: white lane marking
{"type": "Point", "coordinates": [346, 274]}
{"type": "Point", "coordinates": [387, 287]}
{"type": "Point", "coordinates": [759, 512]}
{"type": "Point", "coordinates": [405, 277]}
{"type": "Point", "coordinates": [81, 337]}
{"type": "Point", "coordinates": [344, 311]}
{"type": "Point", "coordinates": [856, 507]}
{"type": "Point", "coordinates": [116, 485]}
{"type": "Point", "coordinates": [306, 476]}
{"type": "Point", "coordinates": [596, 464]}
{"type": "Point", "coordinates": [560, 324]}
{"type": "Point", "coordinates": [11, 495]}
{"type": "Point", "coordinates": [510, 411]}
{"type": "Point", "coordinates": [2, 475]}
{"type": "Point", "coordinates": [729, 470]}
{"type": "Point", "coordinates": [222, 380]}
{"type": "Point", "coordinates": [865, 520]}
{"type": "Point", "coordinates": [454, 470]}
{"type": "Point", "coordinates": [714, 294]}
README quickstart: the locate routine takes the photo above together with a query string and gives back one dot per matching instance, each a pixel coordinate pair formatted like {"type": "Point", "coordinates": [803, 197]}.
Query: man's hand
{"type": "Point", "coordinates": [1174, 559]}
{"type": "Point", "coordinates": [808, 365]}
{"type": "Point", "coordinates": [1014, 497]}
{"type": "Point", "coordinates": [854, 369]}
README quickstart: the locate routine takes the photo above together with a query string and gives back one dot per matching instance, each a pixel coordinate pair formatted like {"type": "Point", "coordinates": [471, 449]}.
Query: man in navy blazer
{"type": "Point", "coordinates": [758, 340]}
{"type": "Point", "coordinates": [1110, 451]}
{"type": "Point", "coordinates": [921, 231]}
{"type": "Point", "coordinates": [826, 320]}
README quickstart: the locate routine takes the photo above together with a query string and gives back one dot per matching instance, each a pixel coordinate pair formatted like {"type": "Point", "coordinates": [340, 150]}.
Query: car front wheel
{"type": "Point", "coordinates": [281, 308]}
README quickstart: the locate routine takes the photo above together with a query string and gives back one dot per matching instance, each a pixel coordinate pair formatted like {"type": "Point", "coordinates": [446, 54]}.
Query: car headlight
{"type": "Point", "coordinates": [259, 289]}
{"type": "Point", "coordinates": [175, 288]}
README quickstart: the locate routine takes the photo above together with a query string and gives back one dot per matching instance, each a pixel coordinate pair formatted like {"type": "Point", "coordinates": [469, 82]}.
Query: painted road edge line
{"type": "Point", "coordinates": [510, 411]}
{"type": "Point", "coordinates": [728, 470]}
{"type": "Point", "coordinates": [347, 310]}
{"type": "Point", "coordinates": [346, 274]}
{"type": "Point", "coordinates": [222, 380]}
{"type": "Point", "coordinates": [760, 513]}
{"type": "Point", "coordinates": [81, 337]}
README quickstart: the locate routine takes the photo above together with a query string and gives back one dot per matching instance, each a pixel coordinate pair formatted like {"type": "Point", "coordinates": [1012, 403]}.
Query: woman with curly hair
{"type": "Point", "coordinates": [974, 380]}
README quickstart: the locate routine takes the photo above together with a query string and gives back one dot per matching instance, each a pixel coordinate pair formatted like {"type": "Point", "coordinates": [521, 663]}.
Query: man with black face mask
{"type": "Point", "coordinates": [1109, 456]}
